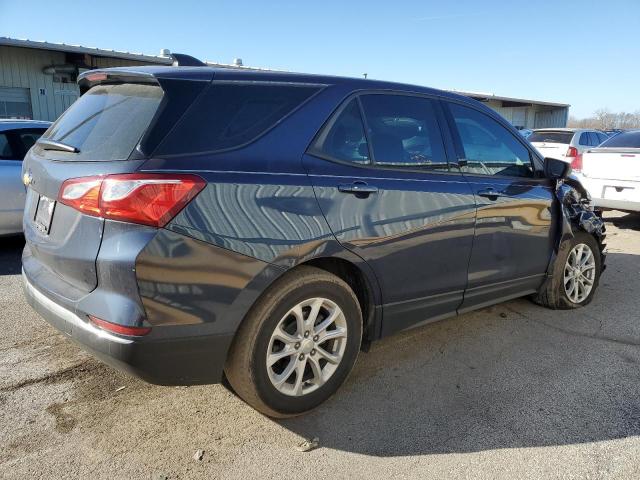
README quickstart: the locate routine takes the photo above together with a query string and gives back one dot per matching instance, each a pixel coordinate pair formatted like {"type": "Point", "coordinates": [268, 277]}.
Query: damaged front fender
{"type": "Point", "coordinates": [577, 214]}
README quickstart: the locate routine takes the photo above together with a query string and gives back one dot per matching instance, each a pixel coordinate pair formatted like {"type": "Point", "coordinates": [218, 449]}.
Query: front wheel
{"type": "Point", "coordinates": [297, 344]}
{"type": "Point", "coordinates": [576, 274]}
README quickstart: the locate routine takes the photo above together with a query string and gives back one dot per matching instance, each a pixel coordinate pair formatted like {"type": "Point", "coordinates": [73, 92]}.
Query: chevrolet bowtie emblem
{"type": "Point", "coordinates": [27, 178]}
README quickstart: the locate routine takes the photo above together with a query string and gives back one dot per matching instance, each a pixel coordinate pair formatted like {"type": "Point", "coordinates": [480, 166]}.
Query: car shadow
{"type": "Point", "coordinates": [624, 221]}
{"type": "Point", "coordinates": [11, 255]}
{"type": "Point", "coordinates": [513, 375]}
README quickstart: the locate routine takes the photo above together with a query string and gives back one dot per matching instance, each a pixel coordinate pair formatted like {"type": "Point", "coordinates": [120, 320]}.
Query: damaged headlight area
{"type": "Point", "coordinates": [578, 214]}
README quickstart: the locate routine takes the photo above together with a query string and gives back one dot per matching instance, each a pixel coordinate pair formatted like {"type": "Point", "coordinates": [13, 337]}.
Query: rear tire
{"type": "Point", "coordinates": [576, 273]}
{"type": "Point", "coordinates": [297, 345]}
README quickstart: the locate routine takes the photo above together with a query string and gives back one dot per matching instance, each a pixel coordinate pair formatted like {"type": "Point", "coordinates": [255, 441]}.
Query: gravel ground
{"type": "Point", "coordinates": [512, 391]}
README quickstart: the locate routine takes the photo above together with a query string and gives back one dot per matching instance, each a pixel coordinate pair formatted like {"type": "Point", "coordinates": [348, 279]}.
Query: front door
{"type": "Point", "coordinates": [389, 195]}
{"type": "Point", "coordinates": [515, 231]}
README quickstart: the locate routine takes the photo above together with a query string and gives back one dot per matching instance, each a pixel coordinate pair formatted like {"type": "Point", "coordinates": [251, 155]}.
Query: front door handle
{"type": "Point", "coordinates": [491, 194]}
{"type": "Point", "coordinates": [358, 188]}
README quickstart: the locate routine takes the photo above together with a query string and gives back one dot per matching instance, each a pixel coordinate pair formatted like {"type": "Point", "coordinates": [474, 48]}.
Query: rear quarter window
{"type": "Point", "coordinates": [232, 114]}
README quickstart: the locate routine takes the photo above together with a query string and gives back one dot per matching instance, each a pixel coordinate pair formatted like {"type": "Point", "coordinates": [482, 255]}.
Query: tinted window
{"type": "Point", "coordinates": [624, 140]}
{"type": "Point", "coordinates": [593, 139]}
{"type": "Point", "coordinates": [344, 137]}
{"type": "Point", "coordinates": [27, 139]}
{"type": "Point", "coordinates": [107, 122]}
{"type": "Point", "coordinates": [551, 137]}
{"type": "Point", "coordinates": [489, 148]}
{"type": "Point", "coordinates": [6, 152]}
{"type": "Point", "coordinates": [230, 115]}
{"type": "Point", "coordinates": [584, 139]}
{"type": "Point", "coordinates": [601, 137]}
{"type": "Point", "coordinates": [403, 131]}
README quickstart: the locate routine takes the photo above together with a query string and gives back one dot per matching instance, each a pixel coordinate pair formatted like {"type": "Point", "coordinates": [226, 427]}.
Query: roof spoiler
{"type": "Point", "coordinates": [183, 60]}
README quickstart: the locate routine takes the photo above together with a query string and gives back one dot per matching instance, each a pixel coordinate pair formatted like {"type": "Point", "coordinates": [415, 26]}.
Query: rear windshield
{"type": "Point", "coordinates": [623, 140]}
{"type": "Point", "coordinates": [551, 137]}
{"type": "Point", "coordinates": [233, 114]}
{"type": "Point", "coordinates": [107, 122]}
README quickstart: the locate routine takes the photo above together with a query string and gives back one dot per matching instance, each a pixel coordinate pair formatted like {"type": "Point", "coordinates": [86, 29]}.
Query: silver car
{"type": "Point", "coordinates": [16, 138]}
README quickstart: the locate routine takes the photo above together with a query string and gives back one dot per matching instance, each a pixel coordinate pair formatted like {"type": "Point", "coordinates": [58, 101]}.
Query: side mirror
{"type": "Point", "coordinates": [556, 169]}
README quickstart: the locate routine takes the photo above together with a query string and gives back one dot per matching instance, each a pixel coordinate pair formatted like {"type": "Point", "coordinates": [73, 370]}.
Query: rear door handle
{"type": "Point", "coordinates": [492, 194]}
{"type": "Point", "coordinates": [357, 188]}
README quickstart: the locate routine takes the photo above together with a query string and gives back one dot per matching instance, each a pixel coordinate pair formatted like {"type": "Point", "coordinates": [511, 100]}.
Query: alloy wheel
{"type": "Point", "coordinates": [306, 347]}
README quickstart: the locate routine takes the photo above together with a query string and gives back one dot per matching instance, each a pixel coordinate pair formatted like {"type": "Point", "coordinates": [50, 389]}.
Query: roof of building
{"type": "Point", "coordinates": [166, 60]}
{"type": "Point", "coordinates": [101, 52]}
{"type": "Point", "coordinates": [485, 96]}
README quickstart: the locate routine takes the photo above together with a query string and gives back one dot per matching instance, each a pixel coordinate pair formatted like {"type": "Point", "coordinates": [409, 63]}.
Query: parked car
{"type": "Point", "coordinates": [611, 172]}
{"type": "Point", "coordinates": [186, 224]}
{"type": "Point", "coordinates": [567, 144]}
{"type": "Point", "coordinates": [16, 138]}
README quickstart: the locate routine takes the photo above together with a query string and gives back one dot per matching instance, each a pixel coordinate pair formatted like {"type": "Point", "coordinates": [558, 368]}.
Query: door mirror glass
{"type": "Point", "coordinates": [556, 169]}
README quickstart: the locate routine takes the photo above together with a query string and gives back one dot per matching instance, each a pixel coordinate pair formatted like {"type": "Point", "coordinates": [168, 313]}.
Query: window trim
{"type": "Point", "coordinates": [453, 168]}
{"type": "Point", "coordinates": [457, 142]}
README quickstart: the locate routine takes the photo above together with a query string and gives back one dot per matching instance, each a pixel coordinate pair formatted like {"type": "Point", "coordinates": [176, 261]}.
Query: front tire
{"type": "Point", "coordinates": [576, 273]}
{"type": "Point", "coordinates": [297, 345]}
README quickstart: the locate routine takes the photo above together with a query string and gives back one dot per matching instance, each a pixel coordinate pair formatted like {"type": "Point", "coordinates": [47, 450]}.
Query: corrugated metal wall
{"type": "Point", "coordinates": [22, 68]}
{"type": "Point", "coordinates": [536, 116]}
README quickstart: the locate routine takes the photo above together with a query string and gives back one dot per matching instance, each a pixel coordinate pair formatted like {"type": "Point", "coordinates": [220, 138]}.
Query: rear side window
{"type": "Point", "coordinates": [584, 139]}
{"type": "Point", "coordinates": [551, 137]}
{"type": "Point", "coordinates": [107, 122]}
{"type": "Point", "coordinates": [403, 131]}
{"type": "Point", "coordinates": [488, 147]}
{"type": "Point", "coordinates": [232, 114]}
{"type": "Point", "coordinates": [624, 140]}
{"type": "Point", "coordinates": [594, 141]}
{"type": "Point", "coordinates": [344, 137]}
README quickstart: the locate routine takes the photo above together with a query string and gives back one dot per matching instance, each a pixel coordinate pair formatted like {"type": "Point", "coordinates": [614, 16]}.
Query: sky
{"type": "Point", "coordinates": [585, 53]}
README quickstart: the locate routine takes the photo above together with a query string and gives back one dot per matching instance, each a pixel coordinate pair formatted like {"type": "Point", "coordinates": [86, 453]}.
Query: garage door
{"type": "Point", "coordinates": [15, 103]}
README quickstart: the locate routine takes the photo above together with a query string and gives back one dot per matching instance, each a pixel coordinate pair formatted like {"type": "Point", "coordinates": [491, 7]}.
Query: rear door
{"type": "Point", "coordinates": [381, 176]}
{"type": "Point", "coordinates": [514, 226]}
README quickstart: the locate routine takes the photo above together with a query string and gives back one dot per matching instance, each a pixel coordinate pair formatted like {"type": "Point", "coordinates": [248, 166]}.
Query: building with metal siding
{"type": "Point", "coordinates": [525, 113]}
{"type": "Point", "coordinates": [38, 80]}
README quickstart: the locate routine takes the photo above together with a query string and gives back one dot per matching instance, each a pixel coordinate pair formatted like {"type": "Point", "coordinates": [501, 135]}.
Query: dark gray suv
{"type": "Point", "coordinates": [188, 223]}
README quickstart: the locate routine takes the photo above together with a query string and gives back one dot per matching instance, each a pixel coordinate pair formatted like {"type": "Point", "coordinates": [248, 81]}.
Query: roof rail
{"type": "Point", "coordinates": [183, 60]}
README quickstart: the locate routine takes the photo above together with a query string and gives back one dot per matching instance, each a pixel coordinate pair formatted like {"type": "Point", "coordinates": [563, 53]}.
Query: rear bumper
{"type": "Point", "coordinates": [169, 355]}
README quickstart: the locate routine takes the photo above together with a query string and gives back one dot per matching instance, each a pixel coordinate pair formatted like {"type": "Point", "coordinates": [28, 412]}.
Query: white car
{"type": "Point", "coordinates": [567, 144]}
{"type": "Point", "coordinates": [611, 172]}
{"type": "Point", "coordinates": [16, 138]}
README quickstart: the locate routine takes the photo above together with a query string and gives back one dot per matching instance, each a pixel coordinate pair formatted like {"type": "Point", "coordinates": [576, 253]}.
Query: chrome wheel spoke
{"type": "Point", "coordinates": [317, 371]}
{"type": "Point", "coordinates": [331, 335]}
{"type": "Point", "coordinates": [276, 356]}
{"type": "Point", "coordinates": [329, 357]}
{"type": "Point", "coordinates": [279, 380]}
{"type": "Point", "coordinates": [281, 335]}
{"type": "Point", "coordinates": [300, 367]}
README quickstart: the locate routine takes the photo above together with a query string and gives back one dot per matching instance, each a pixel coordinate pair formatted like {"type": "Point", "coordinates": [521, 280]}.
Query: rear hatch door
{"type": "Point", "coordinates": [100, 134]}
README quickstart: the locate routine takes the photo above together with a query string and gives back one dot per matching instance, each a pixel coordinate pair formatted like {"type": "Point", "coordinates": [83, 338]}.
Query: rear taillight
{"type": "Point", "coordinates": [145, 198]}
{"type": "Point", "coordinates": [576, 158]}
{"type": "Point", "coordinates": [119, 329]}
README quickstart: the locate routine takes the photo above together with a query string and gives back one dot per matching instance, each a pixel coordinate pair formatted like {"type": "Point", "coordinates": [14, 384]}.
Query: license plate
{"type": "Point", "coordinates": [44, 214]}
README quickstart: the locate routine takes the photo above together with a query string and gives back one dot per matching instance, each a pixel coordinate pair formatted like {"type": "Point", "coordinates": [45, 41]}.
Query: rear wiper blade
{"type": "Point", "coordinates": [59, 146]}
